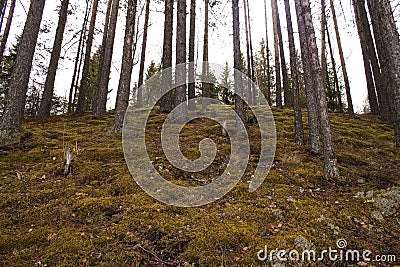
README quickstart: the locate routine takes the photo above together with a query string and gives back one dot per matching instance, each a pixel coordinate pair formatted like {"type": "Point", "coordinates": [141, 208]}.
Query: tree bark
{"type": "Point", "coordinates": [143, 55]}
{"type": "Point", "coordinates": [237, 58]}
{"type": "Point", "coordinates": [298, 117]}
{"type": "Point", "coordinates": [100, 106]}
{"type": "Point", "coordinates": [192, 36]}
{"type": "Point", "coordinates": [268, 59]}
{"type": "Point", "coordinates": [45, 104]}
{"type": "Point", "coordinates": [253, 72]}
{"type": "Point", "coordinates": [7, 30]}
{"type": "Point", "coordinates": [205, 67]}
{"type": "Point", "coordinates": [166, 102]}
{"type": "Point", "coordinates": [330, 160]}
{"type": "Point", "coordinates": [373, 102]}
{"type": "Point", "coordinates": [312, 108]}
{"type": "Point", "coordinates": [80, 108]}
{"type": "Point", "coordinates": [124, 87]}
{"type": "Point", "coordinates": [249, 66]}
{"type": "Point", "coordinates": [278, 81]}
{"type": "Point", "coordinates": [11, 121]}
{"type": "Point", "coordinates": [343, 62]}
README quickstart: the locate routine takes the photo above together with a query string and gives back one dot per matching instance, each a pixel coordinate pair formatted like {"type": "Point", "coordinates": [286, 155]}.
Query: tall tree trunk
{"type": "Point", "coordinates": [249, 69]}
{"type": "Point", "coordinates": [380, 84]}
{"type": "Point", "coordinates": [180, 75]}
{"type": "Point", "coordinates": [143, 55]}
{"type": "Point", "coordinates": [126, 67]}
{"type": "Point", "coordinates": [324, 63]}
{"type": "Point", "coordinates": [342, 61]}
{"type": "Point", "coordinates": [11, 121]}
{"type": "Point", "coordinates": [3, 13]}
{"type": "Point", "coordinates": [7, 30]}
{"type": "Point", "coordinates": [298, 117]}
{"type": "Point", "coordinates": [237, 58]}
{"type": "Point", "coordinates": [253, 72]}
{"type": "Point", "coordinates": [268, 59]}
{"type": "Point", "coordinates": [373, 102]}
{"type": "Point", "coordinates": [78, 61]}
{"type": "Point", "coordinates": [166, 102]}
{"type": "Point", "coordinates": [330, 160]}
{"type": "Point", "coordinates": [335, 75]}
{"type": "Point", "coordinates": [45, 104]}
{"type": "Point", "coordinates": [278, 81]}
{"type": "Point", "coordinates": [312, 108]}
{"type": "Point", "coordinates": [205, 67]}
{"type": "Point", "coordinates": [192, 36]}
{"type": "Point", "coordinates": [80, 108]}
{"type": "Point", "coordinates": [389, 41]}
{"type": "Point", "coordinates": [101, 104]}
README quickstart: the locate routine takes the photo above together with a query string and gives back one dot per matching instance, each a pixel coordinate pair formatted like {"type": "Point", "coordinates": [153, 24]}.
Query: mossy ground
{"type": "Point", "coordinates": [98, 216]}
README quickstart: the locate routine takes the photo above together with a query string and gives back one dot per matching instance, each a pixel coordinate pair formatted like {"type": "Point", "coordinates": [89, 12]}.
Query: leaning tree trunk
{"type": "Point", "coordinates": [7, 30]}
{"type": "Point", "coordinates": [100, 107]}
{"type": "Point", "coordinates": [342, 61]}
{"type": "Point", "coordinates": [373, 102]}
{"type": "Point", "coordinates": [124, 88]}
{"type": "Point", "coordinates": [143, 55]}
{"type": "Point", "coordinates": [389, 40]}
{"type": "Point", "coordinates": [330, 160]}
{"type": "Point", "coordinates": [11, 121]}
{"type": "Point", "coordinates": [80, 108]}
{"type": "Point", "coordinates": [180, 74]}
{"type": "Point", "coordinates": [237, 58]}
{"type": "Point", "coordinates": [312, 108]}
{"type": "Point", "coordinates": [278, 82]}
{"type": "Point", "coordinates": [268, 59]}
{"type": "Point", "coordinates": [298, 117]}
{"type": "Point", "coordinates": [166, 102]}
{"type": "Point", "coordinates": [192, 36]}
{"type": "Point", "coordinates": [45, 104]}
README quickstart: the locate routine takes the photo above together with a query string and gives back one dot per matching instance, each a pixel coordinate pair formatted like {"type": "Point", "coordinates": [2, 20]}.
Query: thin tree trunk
{"type": "Point", "coordinates": [278, 81]}
{"type": "Point", "coordinates": [343, 62]}
{"type": "Point", "coordinates": [237, 58]}
{"type": "Point", "coordinates": [253, 75]}
{"type": "Point", "coordinates": [249, 69]}
{"type": "Point", "coordinates": [80, 108]}
{"type": "Point", "coordinates": [45, 104]}
{"type": "Point", "coordinates": [126, 67]}
{"type": "Point", "coordinates": [11, 121]}
{"type": "Point", "coordinates": [324, 63]}
{"type": "Point", "coordinates": [180, 75]}
{"type": "Point", "coordinates": [7, 30]}
{"type": "Point", "coordinates": [312, 108]}
{"type": "Point", "coordinates": [335, 75]}
{"type": "Point", "coordinates": [268, 59]}
{"type": "Point", "coordinates": [2, 6]}
{"type": "Point", "coordinates": [298, 117]}
{"type": "Point", "coordinates": [192, 36]}
{"type": "Point", "coordinates": [205, 67]}
{"type": "Point", "coordinates": [373, 102]}
{"type": "Point", "coordinates": [389, 42]}
{"type": "Point", "coordinates": [143, 55]}
{"type": "Point", "coordinates": [330, 160]}
{"type": "Point", "coordinates": [101, 105]}
{"type": "Point", "coordinates": [3, 13]}
{"type": "Point", "coordinates": [166, 101]}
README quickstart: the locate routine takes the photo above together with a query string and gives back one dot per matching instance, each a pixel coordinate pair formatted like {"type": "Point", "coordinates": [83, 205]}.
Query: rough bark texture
{"type": "Point", "coordinates": [389, 40]}
{"type": "Point", "coordinates": [80, 108]}
{"type": "Point", "coordinates": [324, 63]}
{"type": "Point", "coordinates": [237, 58]}
{"type": "Point", "coordinates": [253, 72]}
{"type": "Point", "coordinates": [192, 36]}
{"type": "Point", "coordinates": [166, 102]}
{"type": "Point", "coordinates": [312, 109]}
{"type": "Point", "coordinates": [298, 117]}
{"type": "Point", "coordinates": [248, 53]}
{"type": "Point", "coordinates": [268, 74]}
{"type": "Point", "coordinates": [343, 62]}
{"type": "Point", "coordinates": [143, 55]}
{"type": "Point", "coordinates": [78, 61]}
{"type": "Point", "coordinates": [11, 121]}
{"type": "Point", "coordinates": [278, 81]}
{"type": "Point", "coordinates": [124, 86]}
{"type": "Point", "coordinates": [100, 106]}
{"type": "Point", "coordinates": [373, 101]}
{"type": "Point", "coordinates": [335, 75]}
{"type": "Point", "coordinates": [330, 160]}
{"type": "Point", "coordinates": [7, 30]}
{"type": "Point", "coordinates": [45, 104]}
{"type": "Point", "coordinates": [205, 68]}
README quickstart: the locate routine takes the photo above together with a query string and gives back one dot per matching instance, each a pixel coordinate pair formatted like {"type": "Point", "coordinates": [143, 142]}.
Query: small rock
{"type": "Point", "coordinates": [377, 215]}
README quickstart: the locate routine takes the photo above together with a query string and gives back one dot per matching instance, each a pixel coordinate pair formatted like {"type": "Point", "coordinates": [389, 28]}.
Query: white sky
{"type": "Point", "coordinates": [220, 39]}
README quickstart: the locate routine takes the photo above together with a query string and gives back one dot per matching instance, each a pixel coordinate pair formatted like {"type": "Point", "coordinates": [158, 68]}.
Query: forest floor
{"type": "Point", "coordinates": [99, 216]}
